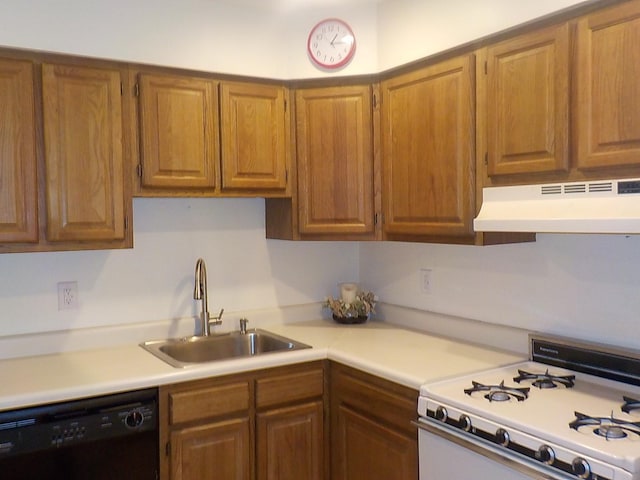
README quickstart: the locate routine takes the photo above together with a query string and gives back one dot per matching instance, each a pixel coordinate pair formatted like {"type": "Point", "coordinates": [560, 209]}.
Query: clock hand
{"type": "Point", "coordinates": [334, 39]}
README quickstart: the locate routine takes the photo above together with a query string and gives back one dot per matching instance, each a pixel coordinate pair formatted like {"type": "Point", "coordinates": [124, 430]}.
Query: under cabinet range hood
{"type": "Point", "coordinates": [602, 206]}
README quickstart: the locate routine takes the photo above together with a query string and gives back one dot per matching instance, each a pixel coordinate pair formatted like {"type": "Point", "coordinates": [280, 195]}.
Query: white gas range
{"type": "Point", "coordinates": [573, 411]}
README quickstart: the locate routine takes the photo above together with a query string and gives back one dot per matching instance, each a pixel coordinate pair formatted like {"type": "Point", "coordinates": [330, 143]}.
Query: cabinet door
{"type": "Point", "coordinates": [290, 443]}
{"type": "Point", "coordinates": [528, 103]}
{"type": "Point", "coordinates": [18, 187]}
{"type": "Point", "coordinates": [607, 117]}
{"type": "Point", "coordinates": [371, 450]}
{"type": "Point", "coordinates": [84, 153]}
{"type": "Point", "coordinates": [335, 160]}
{"type": "Point", "coordinates": [218, 450]}
{"type": "Point", "coordinates": [371, 432]}
{"type": "Point", "coordinates": [253, 125]}
{"type": "Point", "coordinates": [178, 131]}
{"type": "Point", "coordinates": [428, 137]}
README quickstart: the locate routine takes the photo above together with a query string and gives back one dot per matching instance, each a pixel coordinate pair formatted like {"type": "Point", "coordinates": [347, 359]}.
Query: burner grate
{"type": "Point", "coordinates": [630, 404]}
{"type": "Point", "coordinates": [499, 393]}
{"type": "Point", "coordinates": [545, 380]}
{"type": "Point", "coordinates": [610, 428]}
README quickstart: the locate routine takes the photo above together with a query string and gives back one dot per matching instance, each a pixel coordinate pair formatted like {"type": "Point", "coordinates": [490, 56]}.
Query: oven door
{"type": "Point", "coordinates": [447, 454]}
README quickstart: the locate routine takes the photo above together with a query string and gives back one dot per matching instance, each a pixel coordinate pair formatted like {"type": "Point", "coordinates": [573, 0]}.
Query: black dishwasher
{"type": "Point", "coordinates": [112, 437]}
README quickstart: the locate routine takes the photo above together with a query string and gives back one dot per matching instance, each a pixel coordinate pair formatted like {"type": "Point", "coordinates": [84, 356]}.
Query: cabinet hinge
{"type": "Point", "coordinates": [126, 223]}
{"type": "Point", "coordinates": [285, 106]}
{"type": "Point", "coordinates": [139, 170]}
{"type": "Point", "coordinates": [375, 101]}
{"type": "Point", "coordinates": [378, 218]}
{"type": "Point", "coordinates": [286, 176]}
{"type": "Point", "coordinates": [486, 67]}
{"type": "Point", "coordinates": [121, 89]}
{"type": "Point", "coordinates": [486, 158]}
{"type": "Point", "coordinates": [136, 90]}
{"type": "Point", "coordinates": [167, 449]}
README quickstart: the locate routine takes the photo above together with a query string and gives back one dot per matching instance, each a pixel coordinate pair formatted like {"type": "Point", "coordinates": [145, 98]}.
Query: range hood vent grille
{"type": "Point", "coordinates": [604, 206]}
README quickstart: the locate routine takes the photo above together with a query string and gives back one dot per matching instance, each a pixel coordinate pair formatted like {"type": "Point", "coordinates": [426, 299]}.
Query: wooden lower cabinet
{"type": "Point", "coordinates": [268, 424]}
{"type": "Point", "coordinates": [274, 424]}
{"type": "Point", "coordinates": [290, 443]}
{"type": "Point", "coordinates": [371, 432]}
{"type": "Point", "coordinates": [372, 450]}
{"type": "Point", "coordinates": [218, 450]}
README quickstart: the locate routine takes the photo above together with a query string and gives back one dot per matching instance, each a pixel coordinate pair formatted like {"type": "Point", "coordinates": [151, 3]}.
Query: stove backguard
{"type": "Point", "coordinates": [618, 364]}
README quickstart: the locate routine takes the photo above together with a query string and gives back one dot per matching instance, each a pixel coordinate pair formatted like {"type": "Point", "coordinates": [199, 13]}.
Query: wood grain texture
{"type": "Point", "coordinates": [253, 126]}
{"type": "Point", "coordinates": [528, 103]}
{"type": "Point", "coordinates": [292, 387]}
{"type": "Point", "coordinates": [607, 118]}
{"type": "Point", "coordinates": [18, 186]}
{"type": "Point", "coordinates": [290, 443]}
{"type": "Point", "coordinates": [220, 450]}
{"type": "Point", "coordinates": [83, 153]}
{"type": "Point", "coordinates": [371, 432]}
{"type": "Point", "coordinates": [178, 131]}
{"type": "Point", "coordinates": [334, 134]}
{"type": "Point", "coordinates": [209, 402]}
{"type": "Point", "coordinates": [428, 137]}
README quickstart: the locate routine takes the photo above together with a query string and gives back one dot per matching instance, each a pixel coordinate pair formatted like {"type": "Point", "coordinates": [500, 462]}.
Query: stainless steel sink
{"type": "Point", "coordinates": [182, 352]}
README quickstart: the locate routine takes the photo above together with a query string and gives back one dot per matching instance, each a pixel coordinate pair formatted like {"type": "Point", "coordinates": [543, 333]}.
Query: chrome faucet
{"type": "Point", "coordinates": [200, 293]}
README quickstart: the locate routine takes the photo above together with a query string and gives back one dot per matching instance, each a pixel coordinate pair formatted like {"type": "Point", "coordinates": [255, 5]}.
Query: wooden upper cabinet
{"type": "Point", "coordinates": [84, 154]}
{"type": "Point", "coordinates": [528, 104]}
{"type": "Point", "coordinates": [334, 136]}
{"type": "Point", "coordinates": [607, 115]}
{"type": "Point", "coordinates": [254, 136]}
{"type": "Point", "coordinates": [428, 136]}
{"type": "Point", "coordinates": [178, 119]}
{"type": "Point", "coordinates": [18, 185]}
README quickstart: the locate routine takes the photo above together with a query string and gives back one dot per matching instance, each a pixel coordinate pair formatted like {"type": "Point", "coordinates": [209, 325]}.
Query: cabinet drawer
{"type": "Point", "coordinates": [387, 402]}
{"type": "Point", "coordinates": [289, 387]}
{"type": "Point", "coordinates": [208, 402]}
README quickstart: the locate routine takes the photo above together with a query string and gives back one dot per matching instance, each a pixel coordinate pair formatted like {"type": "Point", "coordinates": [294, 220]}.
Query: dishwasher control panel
{"type": "Point", "coordinates": [72, 423]}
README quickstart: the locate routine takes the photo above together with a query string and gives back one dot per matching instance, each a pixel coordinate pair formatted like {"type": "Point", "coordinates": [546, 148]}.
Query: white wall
{"type": "Point", "coordinates": [154, 281]}
{"type": "Point", "coordinates": [211, 35]}
{"type": "Point", "coordinates": [412, 29]}
{"type": "Point", "coordinates": [582, 286]}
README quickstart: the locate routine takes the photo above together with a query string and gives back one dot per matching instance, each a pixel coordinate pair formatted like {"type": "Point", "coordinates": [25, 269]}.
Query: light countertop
{"type": "Point", "coordinates": [406, 357]}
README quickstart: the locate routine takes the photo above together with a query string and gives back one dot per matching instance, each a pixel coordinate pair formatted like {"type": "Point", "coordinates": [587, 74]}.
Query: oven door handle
{"type": "Point", "coordinates": [507, 459]}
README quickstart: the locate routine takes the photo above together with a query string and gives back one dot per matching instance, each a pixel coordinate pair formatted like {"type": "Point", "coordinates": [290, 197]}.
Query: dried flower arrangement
{"type": "Point", "coordinates": [356, 311]}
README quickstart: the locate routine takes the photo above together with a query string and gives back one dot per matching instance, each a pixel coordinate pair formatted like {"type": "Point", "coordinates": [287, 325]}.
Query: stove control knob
{"type": "Point", "coordinates": [441, 414]}
{"type": "Point", "coordinates": [581, 467]}
{"type": "Point", "coordinates": [502, 437]}
{"type": "Point", "coordinates": [546, 454]}
{"type": "Point", "coordinates": [465, 423]}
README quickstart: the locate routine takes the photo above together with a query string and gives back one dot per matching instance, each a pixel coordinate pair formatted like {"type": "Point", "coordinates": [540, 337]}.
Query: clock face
{"type": "Point", "coordinates": [331, 43]}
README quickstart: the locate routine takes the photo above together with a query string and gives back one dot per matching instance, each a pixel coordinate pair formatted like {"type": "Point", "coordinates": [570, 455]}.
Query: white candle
{"type": "Point", "coordinates": [348, 292]}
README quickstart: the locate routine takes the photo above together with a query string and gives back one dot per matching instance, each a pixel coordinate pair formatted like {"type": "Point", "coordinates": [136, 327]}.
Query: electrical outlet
{"type": "Point", "coordinates": [67, 295]}
{"type": "Point", "coordinates": [425, 280]}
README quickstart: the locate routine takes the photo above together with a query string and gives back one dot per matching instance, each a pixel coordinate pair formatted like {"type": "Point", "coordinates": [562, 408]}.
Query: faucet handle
{"type": "Point", "coordinates": [217, 320]}
{"type": "Point", "coordinates": [243, 325]}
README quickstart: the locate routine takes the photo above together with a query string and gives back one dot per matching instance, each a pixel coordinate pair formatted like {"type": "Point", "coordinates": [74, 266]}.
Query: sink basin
{"type": "Point", "coordinates": [182, 352]}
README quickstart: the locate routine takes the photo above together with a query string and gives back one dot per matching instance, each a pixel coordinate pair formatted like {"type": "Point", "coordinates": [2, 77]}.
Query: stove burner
{"type": "Point", "coordinates": [545, 380]}
{"type": "Point", "coordinates": [630, 404]}
{"type": "Point", "coordinates": [610, 431]}
{"type": "Point", "coordinates": [610, 428]}
{"type": "Point", "coordinates": [499, 393]}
